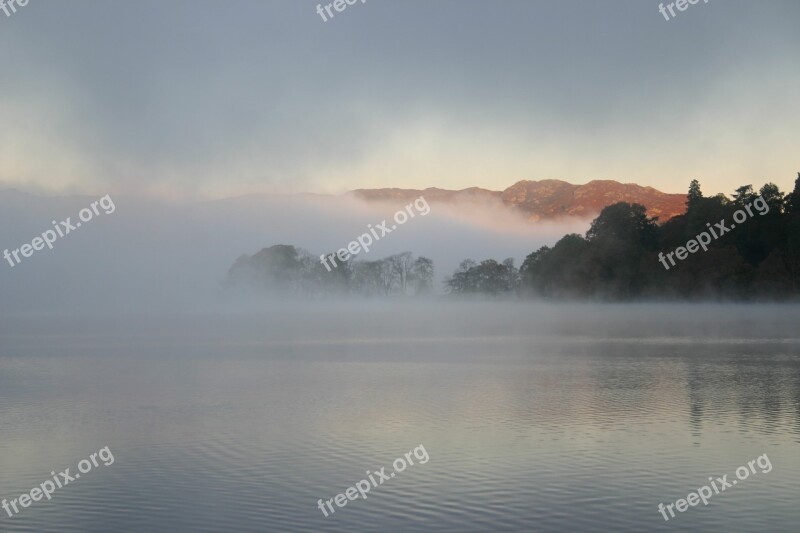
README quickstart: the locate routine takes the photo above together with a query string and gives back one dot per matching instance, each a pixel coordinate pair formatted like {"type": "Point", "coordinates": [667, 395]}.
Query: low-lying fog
{"type": "Point", "coordinates": [150, 255]}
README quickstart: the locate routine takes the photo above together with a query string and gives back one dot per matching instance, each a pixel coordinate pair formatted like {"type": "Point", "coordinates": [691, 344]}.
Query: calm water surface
{"type": "Point", "coordinates": [535, 418]}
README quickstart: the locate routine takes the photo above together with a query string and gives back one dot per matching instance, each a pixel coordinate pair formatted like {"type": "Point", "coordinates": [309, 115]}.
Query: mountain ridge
{"type": "Point", "coordinates": [546, 199]}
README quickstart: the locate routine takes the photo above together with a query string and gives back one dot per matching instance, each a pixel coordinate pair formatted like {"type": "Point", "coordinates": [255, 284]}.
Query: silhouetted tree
{"type": "Point", "coordinates": [627, 222]}
{"type": "Point", "coordinates": [793, 198]}
{"type": "Point", "coordinates": [774, 198]}
{"type": "Point", "coordinates": [695, 194]}
{"type": "Point", "coordinates": [744, 195]}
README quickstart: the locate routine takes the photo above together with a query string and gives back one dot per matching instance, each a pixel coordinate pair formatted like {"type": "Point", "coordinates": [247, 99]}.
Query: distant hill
{"type": "Point", "coordinates": [547, 199]}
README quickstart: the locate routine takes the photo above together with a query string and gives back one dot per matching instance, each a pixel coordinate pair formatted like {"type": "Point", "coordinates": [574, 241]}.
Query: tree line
{"type": "Point", "coordinates": [617, 259]}
{"type": "Point", "coordinates": [286, 269]}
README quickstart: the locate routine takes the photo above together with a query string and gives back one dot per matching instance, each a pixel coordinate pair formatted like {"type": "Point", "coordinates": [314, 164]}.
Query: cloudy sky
{"type": "Point", "coordinates": [201, 98]}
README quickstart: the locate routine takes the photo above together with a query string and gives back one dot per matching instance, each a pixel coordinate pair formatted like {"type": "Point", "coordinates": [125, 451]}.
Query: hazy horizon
{"type": "Point", "coordinates": [182, 198]}
{"type": "Point", "coordinates": [409, 94]}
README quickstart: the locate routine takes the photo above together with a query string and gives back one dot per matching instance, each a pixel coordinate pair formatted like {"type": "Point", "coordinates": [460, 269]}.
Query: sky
{"type": "Point", "coordinates": [208, 99]}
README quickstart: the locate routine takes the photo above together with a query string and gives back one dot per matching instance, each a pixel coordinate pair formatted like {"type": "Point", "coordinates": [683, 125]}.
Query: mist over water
{"type": "Point", "coordinates": [535, 417]}
{"type": "Point", "coordinates": [150, 255]}
{"type": "Point", "coordinates": [231, 413]}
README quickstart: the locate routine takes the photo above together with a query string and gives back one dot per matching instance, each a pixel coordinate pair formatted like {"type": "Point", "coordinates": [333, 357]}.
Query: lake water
{"type": "Point", "coordinates": [534, 417]}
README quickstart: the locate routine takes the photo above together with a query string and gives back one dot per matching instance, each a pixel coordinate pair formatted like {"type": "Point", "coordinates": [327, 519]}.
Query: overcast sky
{"type": "Point", "coordinates": [213, 99]}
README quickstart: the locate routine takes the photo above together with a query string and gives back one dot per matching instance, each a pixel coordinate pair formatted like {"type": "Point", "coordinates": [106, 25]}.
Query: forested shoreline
{"type": "Point", "coordinates": [620, 258]}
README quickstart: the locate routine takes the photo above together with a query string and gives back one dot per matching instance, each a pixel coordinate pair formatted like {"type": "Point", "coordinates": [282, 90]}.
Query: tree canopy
{"type": "Point", "coordinates": [284, 269]}
{"type": "Point", "coordinates": [619, 256]}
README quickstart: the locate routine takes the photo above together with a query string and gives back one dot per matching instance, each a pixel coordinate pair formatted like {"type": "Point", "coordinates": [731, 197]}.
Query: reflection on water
{"type": "Point", "coordinates": [536, 418]}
